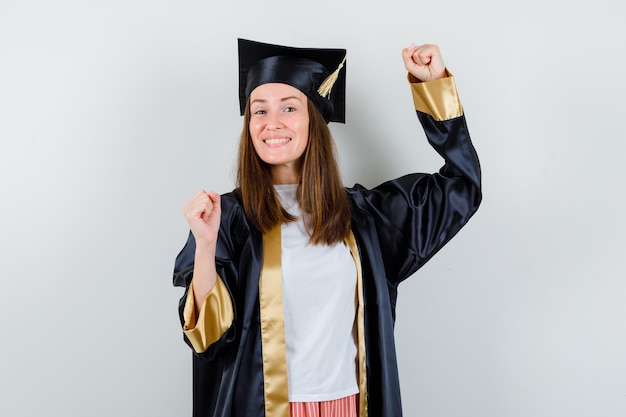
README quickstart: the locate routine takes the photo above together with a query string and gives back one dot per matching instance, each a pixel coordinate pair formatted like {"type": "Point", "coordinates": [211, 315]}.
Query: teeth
{"type": "Point", "coordinates": [276, 141]}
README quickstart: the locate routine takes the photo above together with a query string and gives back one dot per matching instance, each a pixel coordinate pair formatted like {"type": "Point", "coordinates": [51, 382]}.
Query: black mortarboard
{"type": "Point", "coordinates": [316, 72]}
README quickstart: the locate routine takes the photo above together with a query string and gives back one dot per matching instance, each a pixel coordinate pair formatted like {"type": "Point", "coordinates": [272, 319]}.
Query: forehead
{"type": "Point", "coordinates": [276, 91]}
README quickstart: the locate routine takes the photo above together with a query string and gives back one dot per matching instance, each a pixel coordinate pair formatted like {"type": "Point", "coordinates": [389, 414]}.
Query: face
{"type": "Point", "coordinates": [279, 128]}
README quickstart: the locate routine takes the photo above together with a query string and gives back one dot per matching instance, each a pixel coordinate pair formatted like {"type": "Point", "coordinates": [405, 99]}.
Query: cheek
{"type": "Point", "coordinates": [303, 127]}
{"type": "Point", "coordinates": [253, 130]}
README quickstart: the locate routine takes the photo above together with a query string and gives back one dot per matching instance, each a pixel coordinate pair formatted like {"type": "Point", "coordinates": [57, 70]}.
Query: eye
{"type": "Point", "coordinates": [259, 112]}
{"type": "Point", "coordinates": [290, 109]}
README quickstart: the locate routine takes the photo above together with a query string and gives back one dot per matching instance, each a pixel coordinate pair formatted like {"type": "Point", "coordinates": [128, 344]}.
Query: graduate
{"type": "Point", "coordinates": [291, 279]}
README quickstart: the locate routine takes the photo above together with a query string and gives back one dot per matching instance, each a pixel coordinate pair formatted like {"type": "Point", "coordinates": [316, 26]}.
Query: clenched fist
{"type": "Point", "coordinates": [203, 213]}
{"type": "Point", "coordinates": [424, 62]}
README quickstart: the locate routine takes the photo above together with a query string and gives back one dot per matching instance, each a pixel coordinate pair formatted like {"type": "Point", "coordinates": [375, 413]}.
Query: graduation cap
{"type": "Point", "coordinates": [316, 72]}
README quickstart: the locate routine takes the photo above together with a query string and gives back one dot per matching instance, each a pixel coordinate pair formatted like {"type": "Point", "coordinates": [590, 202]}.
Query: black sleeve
{"type": "Point", "coordinates": [417, 214]}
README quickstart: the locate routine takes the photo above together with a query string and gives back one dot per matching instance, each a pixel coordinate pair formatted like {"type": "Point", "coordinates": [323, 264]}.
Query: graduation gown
{"type": "Point", "coordinates": [398, 226]}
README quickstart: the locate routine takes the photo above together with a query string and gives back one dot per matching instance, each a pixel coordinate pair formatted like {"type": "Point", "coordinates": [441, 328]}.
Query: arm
{"type": "Point", "coordinates": [203, 216]}
{"type": "Point", "coordinates": [206, 308]}
{"type": "Point", "coordinates": [417, 214]}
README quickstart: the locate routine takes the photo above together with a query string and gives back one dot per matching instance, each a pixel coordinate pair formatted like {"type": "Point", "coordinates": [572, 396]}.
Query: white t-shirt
{"type": "Point", "coordinates": [319, 296]}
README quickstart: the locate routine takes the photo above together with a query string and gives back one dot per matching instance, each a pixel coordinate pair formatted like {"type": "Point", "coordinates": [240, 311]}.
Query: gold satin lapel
{"type": "Point", "coordinates": [351, 242]}
{"type": "Point", "coordinates": [273, 328]}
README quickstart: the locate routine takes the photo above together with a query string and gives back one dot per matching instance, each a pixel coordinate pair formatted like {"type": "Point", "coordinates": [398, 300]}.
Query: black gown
{"type": "Point", "coordinates": [398, 226]}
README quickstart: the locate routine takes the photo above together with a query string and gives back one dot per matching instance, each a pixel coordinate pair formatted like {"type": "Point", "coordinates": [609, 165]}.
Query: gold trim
{"type": "Point", "coordinates": [215, 317]}
{"type": "Point", "coordinates": [362, 366]}
{"type": "Point", "coordinates": [437, 98]}
{"type": "Point", "coordinates": [272, 327]}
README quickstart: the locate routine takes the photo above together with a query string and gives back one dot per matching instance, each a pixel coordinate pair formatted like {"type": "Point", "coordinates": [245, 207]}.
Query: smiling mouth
{"type": "Point", "coordinates": [276, 141]}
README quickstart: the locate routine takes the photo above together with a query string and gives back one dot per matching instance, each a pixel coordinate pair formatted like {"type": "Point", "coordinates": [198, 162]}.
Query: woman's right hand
{"type": "Point", "coordinates": [203, 213]}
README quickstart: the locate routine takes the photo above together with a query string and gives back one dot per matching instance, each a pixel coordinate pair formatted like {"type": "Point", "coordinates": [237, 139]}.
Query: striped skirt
{"type": "Point", "coordinates": [343, 407]}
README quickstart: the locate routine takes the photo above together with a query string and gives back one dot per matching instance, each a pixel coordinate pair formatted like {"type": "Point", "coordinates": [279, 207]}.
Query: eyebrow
{"type": "Point", "coordinates": [262, 100]}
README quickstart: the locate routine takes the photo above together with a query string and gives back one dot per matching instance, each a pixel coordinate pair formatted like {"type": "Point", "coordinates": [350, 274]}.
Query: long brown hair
{"type": "Point", "coordinates": [320, 193]}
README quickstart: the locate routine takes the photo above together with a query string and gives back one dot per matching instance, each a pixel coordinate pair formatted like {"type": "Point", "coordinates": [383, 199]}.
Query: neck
{"type": "Point", "coordinates": [283, 174]}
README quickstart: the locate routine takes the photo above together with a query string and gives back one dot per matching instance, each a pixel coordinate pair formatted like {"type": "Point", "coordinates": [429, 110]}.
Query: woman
{"type": "Point", "coordinates": [291, 279]}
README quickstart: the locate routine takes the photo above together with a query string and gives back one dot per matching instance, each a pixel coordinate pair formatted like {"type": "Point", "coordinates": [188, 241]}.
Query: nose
{"type": "Point", "coordinates": [274, 121]}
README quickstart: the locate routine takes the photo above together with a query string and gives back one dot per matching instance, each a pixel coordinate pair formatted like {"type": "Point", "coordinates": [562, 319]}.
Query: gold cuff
{"type": "Point", "coordinates": [215, 317]}
{"type": "Point", "coordinates": [437, 98]}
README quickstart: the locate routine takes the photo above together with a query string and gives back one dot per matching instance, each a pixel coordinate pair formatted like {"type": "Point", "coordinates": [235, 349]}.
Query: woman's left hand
{"type": "Point", "coordinates": [424, 62]}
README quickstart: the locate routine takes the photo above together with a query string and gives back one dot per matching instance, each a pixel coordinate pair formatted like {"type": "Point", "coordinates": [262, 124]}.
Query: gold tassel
{"type": "Point", "coordinates": [329, 82]}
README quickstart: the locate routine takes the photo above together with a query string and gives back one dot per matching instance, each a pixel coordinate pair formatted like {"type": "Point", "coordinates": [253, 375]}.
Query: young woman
{"type": "Point", "coordinates": [291, 279]}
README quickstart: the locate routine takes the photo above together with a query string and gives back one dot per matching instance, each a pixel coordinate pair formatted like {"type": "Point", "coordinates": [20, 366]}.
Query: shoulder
{"type": "Point", "coordinates": [234, 222]}
{"type": "Point", "coordinates": [231, 201]}
{"type": "Point", "coordinates": [232, 208]}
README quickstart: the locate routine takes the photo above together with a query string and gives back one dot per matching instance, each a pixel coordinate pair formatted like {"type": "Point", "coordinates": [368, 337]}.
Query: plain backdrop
{"type": "Point", "coordinates": [113, 113]}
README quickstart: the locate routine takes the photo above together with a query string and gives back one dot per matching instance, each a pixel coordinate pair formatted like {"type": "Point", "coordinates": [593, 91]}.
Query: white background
{"type": "Point", "coordinates": [113, 113]}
